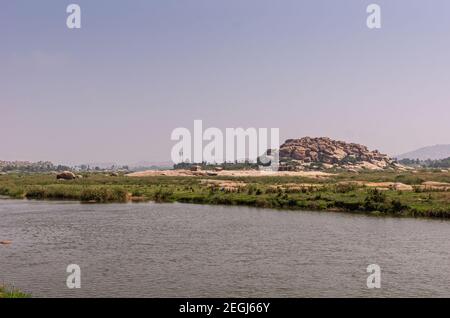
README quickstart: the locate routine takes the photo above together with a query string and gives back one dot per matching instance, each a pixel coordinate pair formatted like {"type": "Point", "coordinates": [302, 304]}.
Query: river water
{"type": "Point", "coordinates": [181, 250]}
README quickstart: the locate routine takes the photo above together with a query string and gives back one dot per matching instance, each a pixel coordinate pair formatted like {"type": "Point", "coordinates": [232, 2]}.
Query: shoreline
{"type": "Point", "coordinates": [281, 209]}
{"type": "Point", "coordinates": [374, 213]}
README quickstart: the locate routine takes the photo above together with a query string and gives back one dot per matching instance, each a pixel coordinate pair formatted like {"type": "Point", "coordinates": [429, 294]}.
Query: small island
{"type": "Point", "coordinates": [314, 174]}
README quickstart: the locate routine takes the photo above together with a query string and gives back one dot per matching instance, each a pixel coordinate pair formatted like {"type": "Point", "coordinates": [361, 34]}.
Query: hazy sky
{"type": "Point", "coordinates": [116, 88]}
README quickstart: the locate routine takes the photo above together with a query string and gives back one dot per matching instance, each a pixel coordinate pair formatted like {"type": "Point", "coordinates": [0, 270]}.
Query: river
{"type": "Point", "coordinates": [183, 250]}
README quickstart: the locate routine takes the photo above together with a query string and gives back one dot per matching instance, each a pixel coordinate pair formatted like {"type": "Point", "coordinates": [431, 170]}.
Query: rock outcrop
{"type": "Point", "coordinates": [66, 175]}
{"type": "Point", "coordinates": [323, 152]}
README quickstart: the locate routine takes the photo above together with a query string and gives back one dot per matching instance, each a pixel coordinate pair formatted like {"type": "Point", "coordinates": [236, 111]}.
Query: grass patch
{"type": "Point", "coordinates": [6, 292]}
{"type": "Point", "coordinates": [336, 193]}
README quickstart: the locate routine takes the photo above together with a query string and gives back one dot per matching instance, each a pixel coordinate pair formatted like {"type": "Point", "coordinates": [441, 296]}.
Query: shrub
{"type": "Point", "coordinates": [396, 206]}
{"type": "Point", "coordinates": [163, 195]}
{"type": "Point", "coordinates": [104, 194]}
{"type": "Point", "coordinates": [375, 200]}
{"type": "Point", "coordinates": [376, 195]}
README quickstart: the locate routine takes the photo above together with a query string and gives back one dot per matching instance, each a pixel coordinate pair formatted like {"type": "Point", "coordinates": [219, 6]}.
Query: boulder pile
{"type": "Point", "coordinates": [323, 152]}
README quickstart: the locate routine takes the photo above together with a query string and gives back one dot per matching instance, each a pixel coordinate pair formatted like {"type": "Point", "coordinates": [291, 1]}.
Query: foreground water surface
{"type": "Point", "coordinates": [181, 250]}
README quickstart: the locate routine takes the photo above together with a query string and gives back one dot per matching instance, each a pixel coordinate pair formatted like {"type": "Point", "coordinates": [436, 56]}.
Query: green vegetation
{"type": "Point", "coordinates": [442, 163]}
{"type": "Point", "coordinates": [26, 167]}
{"type": "Point", "coordinates": [6, 292]}
{"type": "Point", "coordinates": [345, 191]}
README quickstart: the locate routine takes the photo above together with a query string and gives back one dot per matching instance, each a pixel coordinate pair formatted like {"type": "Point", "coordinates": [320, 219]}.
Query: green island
{"type": "Point", "coordinates": [420, 193]}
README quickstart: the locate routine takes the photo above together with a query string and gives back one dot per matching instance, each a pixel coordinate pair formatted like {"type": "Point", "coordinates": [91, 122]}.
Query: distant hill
{"type": "Point", "coordinates": [431, 152]}
{"type": "Point", "coordinates": [323, 152]}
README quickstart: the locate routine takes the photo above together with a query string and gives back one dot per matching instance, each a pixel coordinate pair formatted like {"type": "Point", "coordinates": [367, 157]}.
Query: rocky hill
{"type": "Point", "coordinates": [323, 152]}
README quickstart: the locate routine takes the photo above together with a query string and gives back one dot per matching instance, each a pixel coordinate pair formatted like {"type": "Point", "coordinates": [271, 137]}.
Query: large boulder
{"type": "Point", "coordinates": [66, 175]}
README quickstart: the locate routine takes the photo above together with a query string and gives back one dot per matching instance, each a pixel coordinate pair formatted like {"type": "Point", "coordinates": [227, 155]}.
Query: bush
{"type": "Point", "coordinates": [396, 206]}
{"type": "Point", "coordinates": [104, 194]}
{"type": "Point", "coordinates": [163, 195]}
{"type": "Point", "coordinates": [375, 200]}
{"type": "Point", "coordinates": [376, 195]}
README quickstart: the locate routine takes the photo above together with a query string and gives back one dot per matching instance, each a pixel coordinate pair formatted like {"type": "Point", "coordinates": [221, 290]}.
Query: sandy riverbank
{"type": "Point", "coordinates": [229, 173]}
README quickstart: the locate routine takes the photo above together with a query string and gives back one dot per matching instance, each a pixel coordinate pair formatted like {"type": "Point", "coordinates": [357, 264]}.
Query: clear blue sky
{"type": "Point", "coordinates": [115, 89]}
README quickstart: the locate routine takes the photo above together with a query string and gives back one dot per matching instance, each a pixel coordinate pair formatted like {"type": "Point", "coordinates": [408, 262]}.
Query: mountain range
{"type": "Point", "coordinates": [435, 152]}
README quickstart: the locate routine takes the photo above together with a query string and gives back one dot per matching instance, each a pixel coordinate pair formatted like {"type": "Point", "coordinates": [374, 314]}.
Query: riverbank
{"type": "Point", "coordinates": [419, 194]}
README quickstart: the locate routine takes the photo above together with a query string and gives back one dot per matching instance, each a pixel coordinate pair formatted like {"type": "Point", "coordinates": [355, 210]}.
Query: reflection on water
{"type": "Point", "coordinates": [179, 250]}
